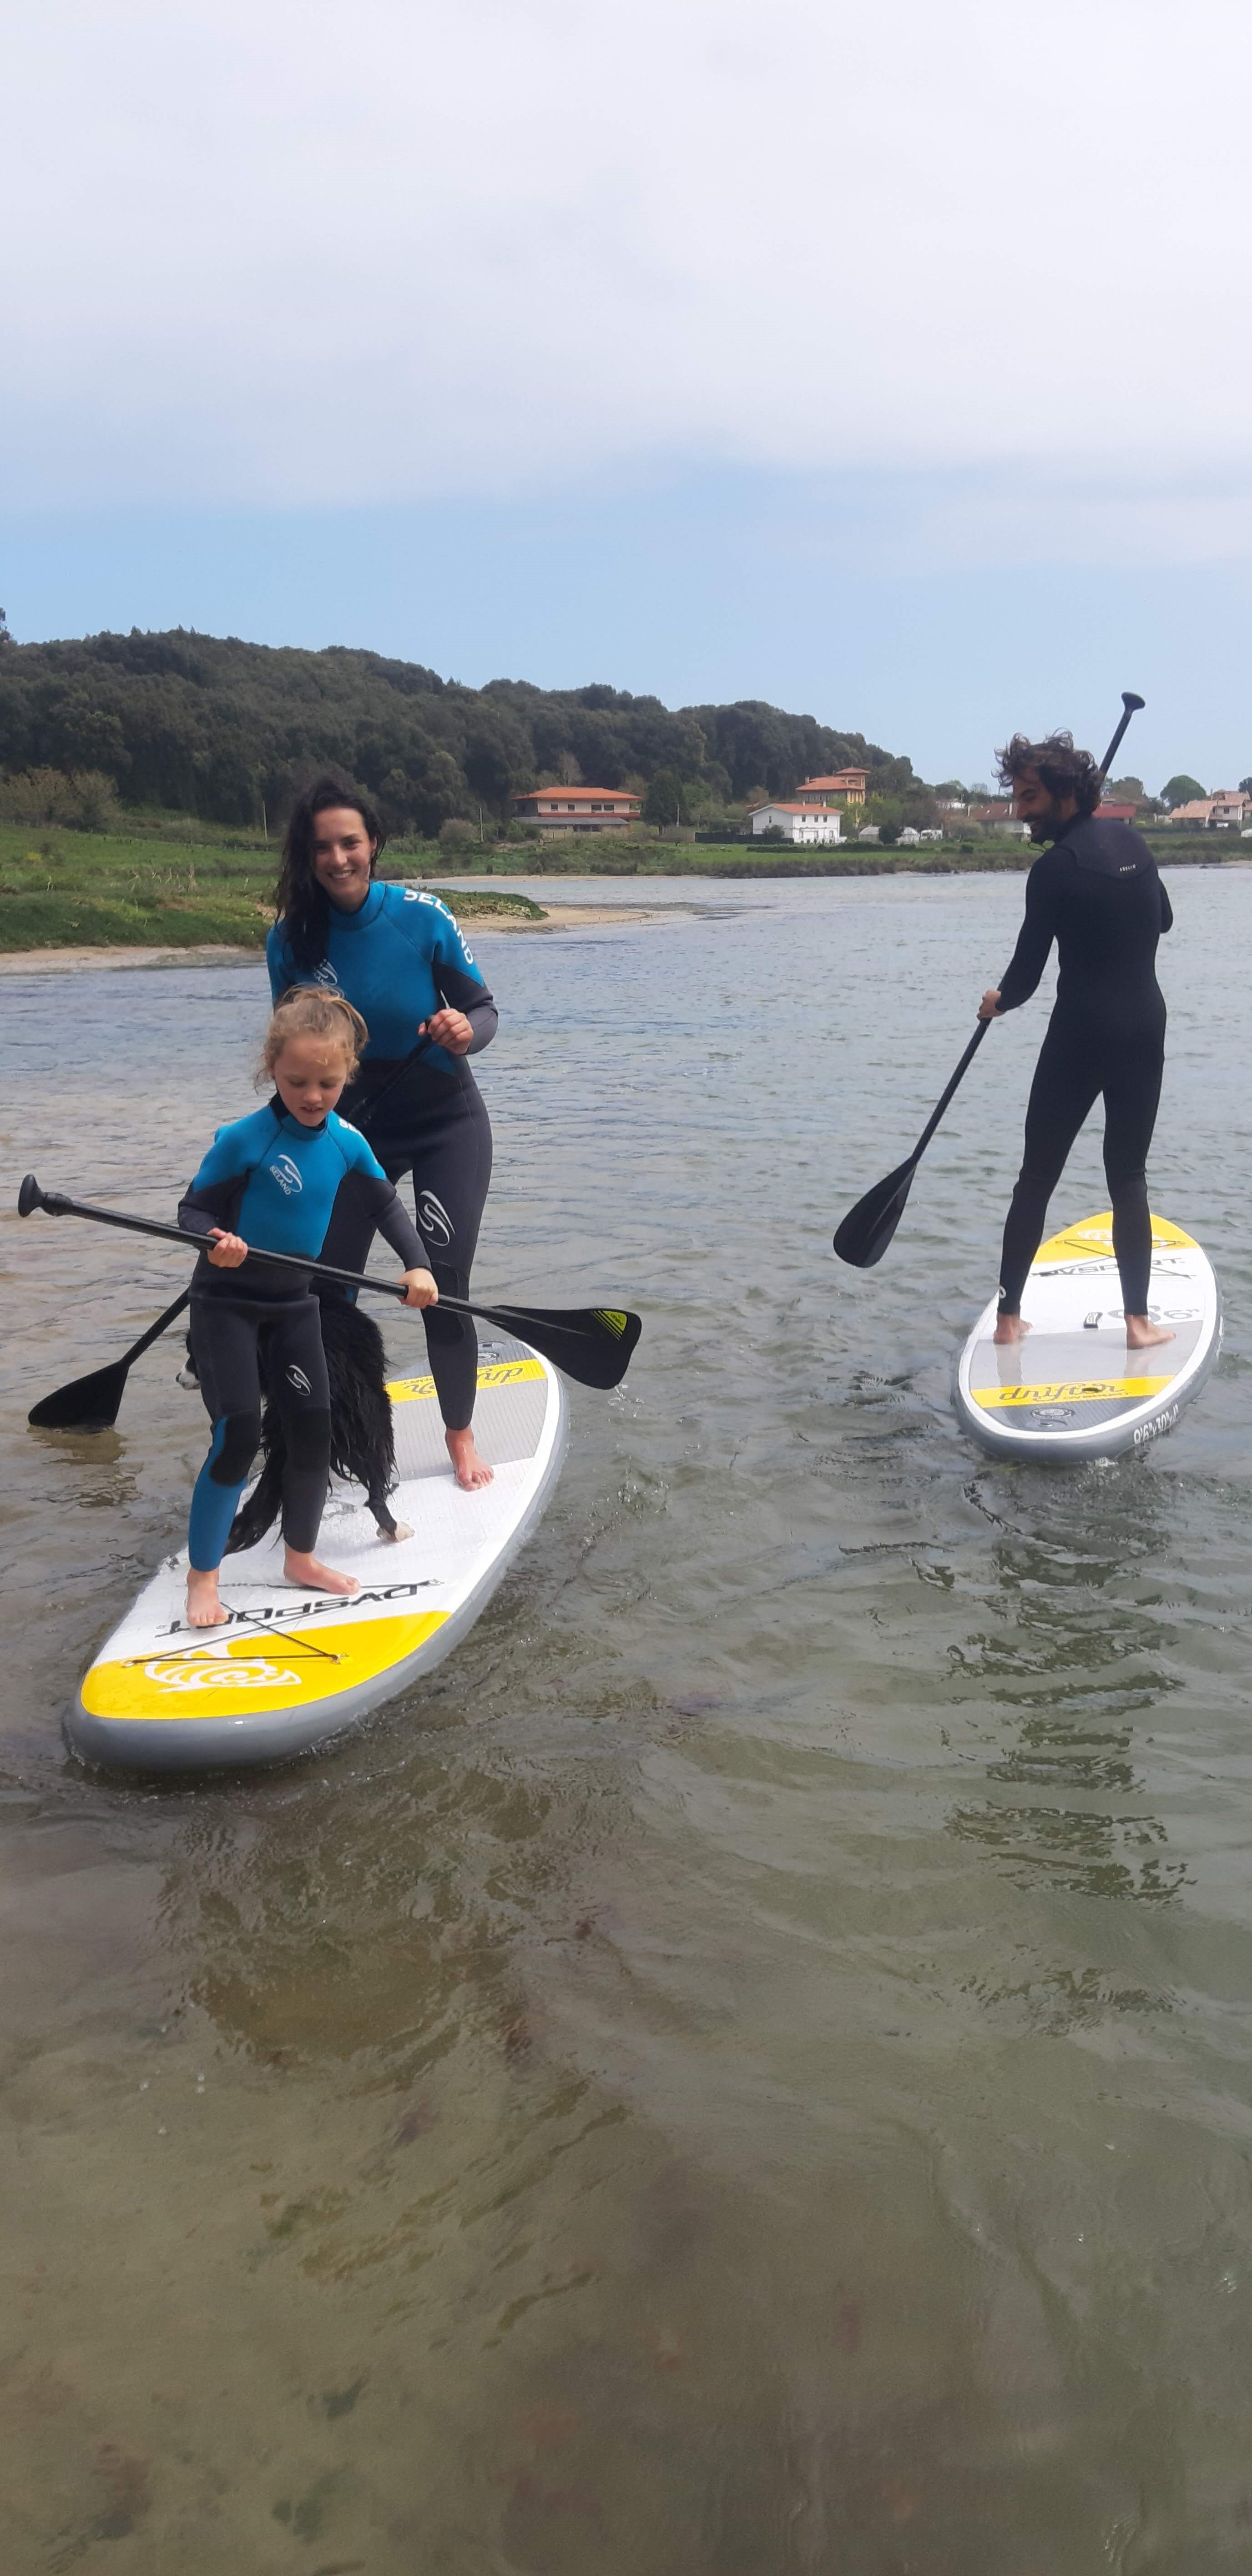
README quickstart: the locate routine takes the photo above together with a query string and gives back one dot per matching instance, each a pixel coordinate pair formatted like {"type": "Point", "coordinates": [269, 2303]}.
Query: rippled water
{"type": "Point", "coordinates": [748, 2070]}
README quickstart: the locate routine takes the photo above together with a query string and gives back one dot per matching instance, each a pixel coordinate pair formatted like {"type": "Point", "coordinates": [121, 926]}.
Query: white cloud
{"type": "Point", "coordinates": [266, 253]}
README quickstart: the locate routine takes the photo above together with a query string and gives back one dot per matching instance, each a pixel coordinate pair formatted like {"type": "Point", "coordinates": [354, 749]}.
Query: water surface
{"type": "Point", "coordinates": [748, 2069]}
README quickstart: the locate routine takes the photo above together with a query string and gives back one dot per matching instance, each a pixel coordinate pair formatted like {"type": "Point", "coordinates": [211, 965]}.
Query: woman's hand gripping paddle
{"type": "Point", "coordinates": [92, 1403]}
{"type": "Point", "coordinates": [867, 1228]}
{"type": "Point", "coordinates": [592, 1344]}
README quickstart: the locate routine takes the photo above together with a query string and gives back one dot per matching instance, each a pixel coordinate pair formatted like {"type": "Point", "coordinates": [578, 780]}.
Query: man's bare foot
{"type": "Point", "coordinates": [1142, 1333]}
{"type": "Point", "coordinates": [204, 1601]}
{"type": "Point", "coordinates": [306, 1570]}
{"type": "Point", "coordinates": [471, 1470]}
{"type": "Point", "coordinates": [1011, 1328]}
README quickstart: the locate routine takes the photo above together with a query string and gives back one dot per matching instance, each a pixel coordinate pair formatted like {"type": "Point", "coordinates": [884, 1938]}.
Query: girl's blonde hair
{"type": "Point", "coordinates": [308, 1011]}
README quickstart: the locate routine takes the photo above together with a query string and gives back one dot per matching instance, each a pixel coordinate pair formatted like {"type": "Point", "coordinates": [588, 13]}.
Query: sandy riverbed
{"type": "Point", "coordinates": [35, 961]}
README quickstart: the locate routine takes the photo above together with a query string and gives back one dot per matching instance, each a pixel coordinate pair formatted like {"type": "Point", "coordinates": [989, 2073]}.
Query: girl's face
{"type": "Point", "coordinates": [343, 854]}
{"type": "Point", "coordinates": [309, 1075]}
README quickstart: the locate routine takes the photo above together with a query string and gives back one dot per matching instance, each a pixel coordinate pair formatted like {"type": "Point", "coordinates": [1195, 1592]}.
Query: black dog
{"type": "Point", "coordinates": [362, 1444]}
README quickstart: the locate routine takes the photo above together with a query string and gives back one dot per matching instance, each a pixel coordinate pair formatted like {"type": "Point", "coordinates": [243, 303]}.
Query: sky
{"type": "Point", "coordinates": [889, 362]}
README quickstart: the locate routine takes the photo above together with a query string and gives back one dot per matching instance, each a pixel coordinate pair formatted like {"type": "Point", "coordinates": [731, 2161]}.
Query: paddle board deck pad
{"type": "Point", "coordinates": [290, 1669]}
{"type": "Point", "coordinates": [1071, 1389]}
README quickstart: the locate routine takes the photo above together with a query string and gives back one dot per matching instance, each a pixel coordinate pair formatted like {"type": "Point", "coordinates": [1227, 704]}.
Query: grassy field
{"type": "Point", "coordinates": [61, 889]}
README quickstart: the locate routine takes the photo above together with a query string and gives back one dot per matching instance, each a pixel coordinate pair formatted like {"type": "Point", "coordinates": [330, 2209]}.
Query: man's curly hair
{"type": "Point", "coordinates": [1062, 770]}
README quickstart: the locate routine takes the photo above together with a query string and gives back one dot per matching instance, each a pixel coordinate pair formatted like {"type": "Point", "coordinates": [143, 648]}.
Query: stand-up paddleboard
{"type": "Point", "coordinates": [1072, 1389]}
{"type": "Point", "coordinates": [291, 1668]}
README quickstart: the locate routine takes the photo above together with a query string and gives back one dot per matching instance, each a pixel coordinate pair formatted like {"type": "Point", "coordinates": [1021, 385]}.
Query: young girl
{"type": "Point", "coordinates": [272, 1182]}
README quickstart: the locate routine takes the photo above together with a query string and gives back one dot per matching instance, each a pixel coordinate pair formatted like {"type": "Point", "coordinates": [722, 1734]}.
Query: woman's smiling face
{"type": "Point", "coordinates": [343, 855]}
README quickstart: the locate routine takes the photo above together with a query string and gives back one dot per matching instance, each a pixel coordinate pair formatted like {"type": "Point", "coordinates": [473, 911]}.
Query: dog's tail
{"type": "Point", "coordinates": [362, 1443]}
{"type": "Point", "coordinates": [260, 1509]}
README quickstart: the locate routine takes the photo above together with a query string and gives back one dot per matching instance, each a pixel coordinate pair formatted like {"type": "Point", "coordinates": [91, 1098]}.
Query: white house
{"type": "Point", "coordinates": [811, 824]}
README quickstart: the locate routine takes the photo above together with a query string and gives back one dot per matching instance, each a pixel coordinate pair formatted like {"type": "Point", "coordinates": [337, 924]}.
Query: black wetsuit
{"type": "Point", "coordinates": [397, 960]}
{"type": "Point", "coordinates": [1097, 893]}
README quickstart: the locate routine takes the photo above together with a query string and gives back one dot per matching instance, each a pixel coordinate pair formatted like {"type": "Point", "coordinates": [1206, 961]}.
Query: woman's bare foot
{"type": "Point", "coordinates": [1142, 1333]}
{"type": "Point", "coordinates": [392, 1537]}
{"type": "Point", "coordinates": [471, 1470]}
{"type": "Point", "coordinates": [306, 1570]}
{"type": "Point", "coordinates": [204, 1601]}
{"type": "Point", "coordinates": [1011, 1328]}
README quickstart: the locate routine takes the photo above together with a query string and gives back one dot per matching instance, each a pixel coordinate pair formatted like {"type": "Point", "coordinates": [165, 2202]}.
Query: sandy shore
{"type": "Point", "coordinates": [42, 961]}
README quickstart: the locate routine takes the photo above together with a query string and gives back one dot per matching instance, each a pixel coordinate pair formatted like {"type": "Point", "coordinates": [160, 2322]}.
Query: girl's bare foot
{"type": "Point", "coordinates": [471, 1470]}
{"type": "Point", "coordinates": [1142, 1333]}
{"type": "Point", "coordinates": [1011, 1328]}
{"type": "Point", "coordinates": [306, 1570]}
{"type": "Point", "coordinates": [204, 1601]}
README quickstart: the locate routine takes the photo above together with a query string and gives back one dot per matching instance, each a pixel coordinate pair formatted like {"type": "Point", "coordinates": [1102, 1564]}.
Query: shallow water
{"type": "Point", "coordinates": [748, 2070]}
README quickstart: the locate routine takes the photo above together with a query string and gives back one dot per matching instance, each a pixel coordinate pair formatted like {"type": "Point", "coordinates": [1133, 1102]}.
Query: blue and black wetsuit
{"type": "Point", "coordinates": [280, 1185]}
{"type": "Point", "coordinates": [1097, 893]}
{"type": "Point", "coordinates": [398, 960]}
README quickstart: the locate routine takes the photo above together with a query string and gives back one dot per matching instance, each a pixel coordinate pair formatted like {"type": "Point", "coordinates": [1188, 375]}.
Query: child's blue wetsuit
{"type": "Point", "coordinates": [398, 960]}
{"type": "Point", "coordinates": [278, 1184]}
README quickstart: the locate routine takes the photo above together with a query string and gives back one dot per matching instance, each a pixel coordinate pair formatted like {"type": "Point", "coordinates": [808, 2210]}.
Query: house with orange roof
{"type": "Point", "coordinates": [577, 809]}
{"type": "Point", "coordinates": [846, 787]}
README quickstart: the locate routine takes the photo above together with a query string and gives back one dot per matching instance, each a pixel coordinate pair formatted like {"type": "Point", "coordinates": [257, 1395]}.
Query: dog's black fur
{"type": "Point", "coordinates": [362, 1443]}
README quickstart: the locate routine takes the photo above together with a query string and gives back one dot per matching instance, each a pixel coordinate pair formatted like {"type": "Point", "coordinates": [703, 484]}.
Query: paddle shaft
{"type": "Point", "coordinates": [1130, 706]}
{"type": "Point", "coordinates": [55, 1203]}
{"type": "Point", "coordinates": [957, 1078]}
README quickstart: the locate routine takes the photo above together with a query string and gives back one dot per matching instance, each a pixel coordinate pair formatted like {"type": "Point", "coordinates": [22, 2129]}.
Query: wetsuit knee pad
{"type": "Point", "coordinates": [233, 1454]}
{"type": "Point", "coordinates": [308, 1438]}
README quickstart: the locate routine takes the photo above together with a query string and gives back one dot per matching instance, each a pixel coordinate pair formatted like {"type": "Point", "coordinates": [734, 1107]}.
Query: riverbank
{"type": "Point", "coordinates": [108, 956]}
{"type": "Point", "coordinates": [65, 892]}
{"type": "Point", "coordinates": [142, 900]}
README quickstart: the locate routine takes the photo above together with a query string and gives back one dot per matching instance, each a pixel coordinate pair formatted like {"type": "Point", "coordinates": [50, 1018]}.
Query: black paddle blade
{"type": "Point", "coordinates": [592, 1344]}
{"type": "Point", "coordinates": [867, 1228]}
{"type": "Point", "coordinates": [90, 1404]}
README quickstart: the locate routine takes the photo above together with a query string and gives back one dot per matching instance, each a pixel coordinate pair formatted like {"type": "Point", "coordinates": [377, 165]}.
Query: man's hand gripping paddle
{"type": "Point", "coordinates": [92, 1403]}
{"type": "Point", "coordinates": [592, 1344]}
{"type": "Point", "coordinates": [867, 1228]}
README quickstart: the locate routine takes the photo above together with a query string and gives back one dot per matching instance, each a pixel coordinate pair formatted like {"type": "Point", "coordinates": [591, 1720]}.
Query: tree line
{"type": "Point", "coordinates": [230, 731]}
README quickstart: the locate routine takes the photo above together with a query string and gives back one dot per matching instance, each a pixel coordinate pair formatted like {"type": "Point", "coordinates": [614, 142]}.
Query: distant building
{"type": "Point", "coordinates": [846, 787]}
{"type": "Point", "coordinates": [1117, 813]}
{"type": "Point", "coordinates": [999, 817]}
{"type": "Point", "coordinates": [909, 837]}
{"type": "Point", "coordinates": [1217, 812]}
{"type": "Point", "coordinates": [813, 825]}
{"type": "Point", "coordinates": [577, 809]}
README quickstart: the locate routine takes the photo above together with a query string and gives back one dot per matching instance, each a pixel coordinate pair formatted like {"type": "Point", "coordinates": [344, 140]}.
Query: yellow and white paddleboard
{"type": "Point", "coordinates": [290, 1669]}
{"type": "Point", "coordinates": [1071, 1389]}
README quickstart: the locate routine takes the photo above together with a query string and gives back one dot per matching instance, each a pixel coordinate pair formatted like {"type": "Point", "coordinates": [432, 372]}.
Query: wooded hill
{"type": "Point", "coordinates": [213, 727]}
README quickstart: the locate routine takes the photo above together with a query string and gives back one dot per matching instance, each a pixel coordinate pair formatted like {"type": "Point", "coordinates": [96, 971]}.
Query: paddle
{"type": "Point", "coordinates": [592, 1344]}
{"type": "Point", "coordinates": [867, 1229]}
{"type": "Point", "coordinates": [92, 1403]}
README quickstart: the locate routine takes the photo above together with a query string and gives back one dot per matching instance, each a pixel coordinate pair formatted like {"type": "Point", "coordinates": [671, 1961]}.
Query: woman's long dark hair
{"type": "Point", "coordinates": [303, 906]}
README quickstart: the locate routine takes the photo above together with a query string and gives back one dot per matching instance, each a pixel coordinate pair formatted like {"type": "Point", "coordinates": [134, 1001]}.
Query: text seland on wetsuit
{"type": "Point", "coordinates": [280, 1185]}
{"type": "Point", "coordinates": [1097, 893]}
{"type": "Point", "coordinates": [397, 960]}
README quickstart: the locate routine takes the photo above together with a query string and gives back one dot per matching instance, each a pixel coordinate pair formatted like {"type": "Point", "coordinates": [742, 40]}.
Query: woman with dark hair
{"type": "Point", "coordinates": [1097, 893]}
{"type": "Point", "coordinates": [398, 956]}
